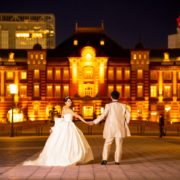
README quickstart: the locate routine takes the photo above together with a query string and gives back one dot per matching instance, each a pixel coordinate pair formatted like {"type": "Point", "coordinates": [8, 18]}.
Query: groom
{"type": "Point", "coordinates": [115, 128]}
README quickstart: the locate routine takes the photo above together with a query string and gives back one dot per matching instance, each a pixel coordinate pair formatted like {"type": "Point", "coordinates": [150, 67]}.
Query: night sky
{"type": "Point", "coordinates": [127, 22]}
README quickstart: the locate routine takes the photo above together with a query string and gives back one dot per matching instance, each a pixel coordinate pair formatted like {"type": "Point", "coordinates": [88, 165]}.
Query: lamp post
{"type": "Point", "coordinates": [13, 91]}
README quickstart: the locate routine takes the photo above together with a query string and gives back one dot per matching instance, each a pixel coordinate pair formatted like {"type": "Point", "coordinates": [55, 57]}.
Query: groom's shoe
{"type": "Point", "coordinates": [104, 162]}
{"type": "Point", "coordinates": [117, 163]}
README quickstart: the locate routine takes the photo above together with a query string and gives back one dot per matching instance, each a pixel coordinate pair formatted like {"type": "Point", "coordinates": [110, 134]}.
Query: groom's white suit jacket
{"type": "Point", "coordinates": [117, 120]}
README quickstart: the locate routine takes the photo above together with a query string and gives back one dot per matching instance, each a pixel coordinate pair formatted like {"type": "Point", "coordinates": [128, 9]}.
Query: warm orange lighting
{"type": "Point", "coordinates": [167, 108]}
{"type": "Point", "coordinates": [75, 42]}
{"type": "Point", "coordinates": [13, 89]}
{"type": "Point", "coordinates": [88, 53]}
{"type": "Point", "coordinates": [102, 42]}
{"type": "Point", "coordinates": [101, 73]}
{"type": "Point", "coordinates": [166, 56]}
{"type": "Point", "coordinates": [17, 115]}
{"type": "Point", "coordinates": [25, 35]}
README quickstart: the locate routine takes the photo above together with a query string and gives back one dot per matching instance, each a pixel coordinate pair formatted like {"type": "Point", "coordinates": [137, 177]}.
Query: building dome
{"type": "Point", "coordinates": [139, 45]}
{"type": "Point", "coordinates": [37, 47]}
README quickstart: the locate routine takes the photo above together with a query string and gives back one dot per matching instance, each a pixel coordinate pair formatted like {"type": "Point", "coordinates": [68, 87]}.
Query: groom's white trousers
{"type": "Point", "coordinates": [118, 150]}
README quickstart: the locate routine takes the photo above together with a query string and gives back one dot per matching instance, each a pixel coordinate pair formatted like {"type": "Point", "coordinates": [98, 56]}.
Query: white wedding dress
{"type": "Point", "coordinates": [65, 146]}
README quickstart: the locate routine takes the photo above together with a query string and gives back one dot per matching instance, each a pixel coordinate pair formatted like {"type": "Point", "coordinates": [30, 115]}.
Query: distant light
{"type": "Point", "coordinates": [75, 42]}
{"type": "Point", "coordinates": [102, 42]}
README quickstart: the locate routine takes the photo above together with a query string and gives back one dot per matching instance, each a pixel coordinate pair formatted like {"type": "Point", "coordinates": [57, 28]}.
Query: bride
{"type": "Point", "coordinates": [66, 144]}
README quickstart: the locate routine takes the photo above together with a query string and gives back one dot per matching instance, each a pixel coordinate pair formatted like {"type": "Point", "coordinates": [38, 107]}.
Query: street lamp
{"type": "Point", "coordinates": [13, 91]}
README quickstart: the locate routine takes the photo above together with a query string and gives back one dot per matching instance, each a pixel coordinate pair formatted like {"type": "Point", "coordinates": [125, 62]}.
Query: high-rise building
{"type": "Point", "coordinates": [22, 31]}
{"type": "Point", "coordinates": [174, 39]}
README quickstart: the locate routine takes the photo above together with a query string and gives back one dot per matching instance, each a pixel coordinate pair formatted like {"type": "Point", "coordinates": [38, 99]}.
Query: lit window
{"type": "Point", "coordinates": [166, 56]}
{"type": "Point", "coordinates": [102, 42]}
{"type": "Point", "coordinates": [41, 56]}
{"type": "Point", "coordinates": [88, 111]}
{"type": "Point", "coordinates": [140, 74]}
{"type": "Point", "coordinates": [36, 56]}
{"type": "Point", "coordinates": [126, 74]}
{"type": "Point", "coordinates": [153, 91]}
{"type": "Point", "coordinates": [24, 35]}
{"type": "Point", "coordinates": [167, 91]}
{"type": "Point", "coordinates": [57, 74]}
{"type": "Point", "coordinates": [178, 91]}
{"type": "Point", "coordinates": [32, 56]}
{"type": "Point", "coordinates": [9, 75]}
{"type": "Point", "coordinates": [65, 90]}
{"type": "Point", "coordinates": [140, 56]}
{"type": "Point", "coordinates": [65, 74]}
{"type": "Point", "coordinates": [49, 74]}
{"type": "Point", "coordinates": [111, 74]}
{"type": "Point", "coordinates": [178, 75]}
{"type": "Point", "coordinates": [36, 74]}
{"type": "Point", "coordinates": [23, 91]}
{"type": "Point", "coordinates": [139, 91]}
{"type": "Point", "coordinates": [88, 90]}
{"type": "Point", "coordinates": [36, 35]}
{"type": "Point", "coordinates": [167, 75]}
{"type": "Point", "coordinates": [23, 75]}
{"type": "Point", "coordinates": [119, 74]}
{"type": "Point", "coordinates": [154, 75]}
{"type": "Point", "coordinates": [57, 91]}
{"type": "Point", "coordinates": [49, 91]}
{"type": "Point", "coordinates": [88, 73]}
{"type": "Point", "coordinates": [8, 91]}
{"type": "Point", "coordinates": [36, 90]}
{"type": "Point", "coordinates": [134, 56]}
{"type": "Point", "coordinates": [127, 91]}
{"type": "Point", "coordinates": [119, 89]}
{"type": "Point", "coordinates": [110, 89]}
{"type": "Point", "coordinates": [75, 42]}
{"type": "Point", "coordinates": [145, 56]}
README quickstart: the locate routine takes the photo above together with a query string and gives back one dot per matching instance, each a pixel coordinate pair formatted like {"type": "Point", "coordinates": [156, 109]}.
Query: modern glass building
{"type": "Point", "coordinates": [22, 31]}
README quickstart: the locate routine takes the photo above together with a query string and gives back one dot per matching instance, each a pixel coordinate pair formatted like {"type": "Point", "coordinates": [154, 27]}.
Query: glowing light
{"type": "Point", "coordinates": [13, 88]}
{"type": "Point", "coordinates": [26, 35]}
{"type": "Point", "coordinates": [75, 42]}
{"type": "Point", "coordinates": [88, 56]}
{"type": "Point", "coordinates": [166, 56]}
{"type": "Point", "coordinates": [154, 113]}
{"type": "Point", "coordinates": [88, 53]}
{"type": "Point", "coordinates": [167, 108]}
{"type": "Point", "coordinates": [102, 42]}
{"type": "Point", "coordinates": [17, 115]}
{"type": "Point", "coordinates": [37, 35]}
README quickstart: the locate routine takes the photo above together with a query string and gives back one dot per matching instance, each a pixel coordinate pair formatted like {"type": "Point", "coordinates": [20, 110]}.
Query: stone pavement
{"type": "Point", "coordinates": [144, 157]}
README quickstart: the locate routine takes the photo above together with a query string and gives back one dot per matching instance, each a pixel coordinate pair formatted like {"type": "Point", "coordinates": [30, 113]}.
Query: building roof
{"type": "Point", "coordinates": [89, 36]}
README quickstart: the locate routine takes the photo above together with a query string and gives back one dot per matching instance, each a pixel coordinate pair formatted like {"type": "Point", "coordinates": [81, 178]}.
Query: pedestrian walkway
{"type": "Point", "coordinates": [144, 157]}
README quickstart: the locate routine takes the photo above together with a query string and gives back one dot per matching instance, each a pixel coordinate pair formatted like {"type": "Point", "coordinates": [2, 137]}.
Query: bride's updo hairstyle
{"type": "Point", "coordinates": [66, 98]}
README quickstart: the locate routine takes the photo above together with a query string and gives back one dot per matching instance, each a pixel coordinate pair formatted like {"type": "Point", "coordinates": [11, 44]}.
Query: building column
{"type": "Point", "coordinates": [174, 86]}
{"type": "Point", "coordinates": [160, 84]}
{"type": "Point", "coordinates": [2, 86]}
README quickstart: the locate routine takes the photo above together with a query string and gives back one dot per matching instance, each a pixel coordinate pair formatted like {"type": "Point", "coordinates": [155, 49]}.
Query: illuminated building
{"type": "Point", "coordinates": [22, 31]}
{"type": "Point", "coordinates": [87, 67]}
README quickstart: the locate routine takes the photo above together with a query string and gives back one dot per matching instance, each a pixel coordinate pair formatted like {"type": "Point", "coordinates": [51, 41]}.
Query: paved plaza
{"type": "Point", "coordinates": [144, 157]}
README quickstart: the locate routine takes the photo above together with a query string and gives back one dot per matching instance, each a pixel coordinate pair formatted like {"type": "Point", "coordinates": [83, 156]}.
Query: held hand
{"type": "Point", "coordinates": [90, 123]}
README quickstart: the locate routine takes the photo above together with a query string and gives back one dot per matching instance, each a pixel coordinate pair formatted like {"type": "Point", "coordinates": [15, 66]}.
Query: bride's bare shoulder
{"type": "Point", "coordinates": [66, 110]}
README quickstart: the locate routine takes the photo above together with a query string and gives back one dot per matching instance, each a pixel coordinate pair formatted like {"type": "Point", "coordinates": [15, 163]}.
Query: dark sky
{"type": "Point", "coordinates": [125, 21]}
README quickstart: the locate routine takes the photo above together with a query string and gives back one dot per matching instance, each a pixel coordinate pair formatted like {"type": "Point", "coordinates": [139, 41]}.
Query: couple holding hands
{"type": "Point", "coordinates": [67, 145]}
